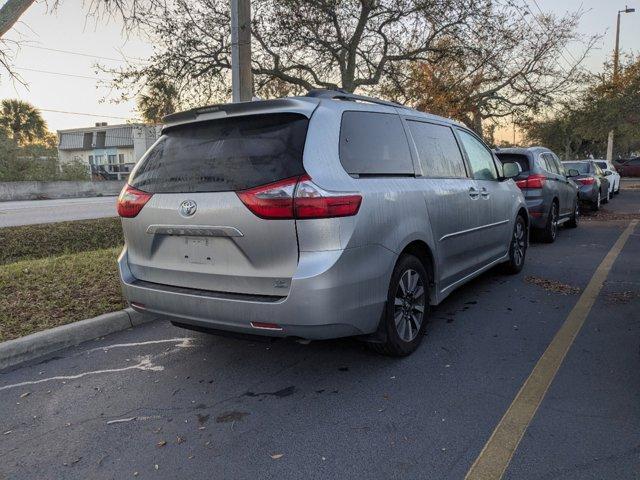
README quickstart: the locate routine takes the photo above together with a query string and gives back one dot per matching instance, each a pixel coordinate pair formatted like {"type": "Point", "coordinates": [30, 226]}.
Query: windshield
{"type": "Point", "coordinates": [602, 165]}
{"type": "Point", "coordinates": [582, 167]}
{"type": "Point", "coordinates": [224, 155]}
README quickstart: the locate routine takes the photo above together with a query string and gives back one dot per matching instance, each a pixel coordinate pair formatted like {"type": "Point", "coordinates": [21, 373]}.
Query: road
{"type": "Point", "coordinates": [30, 212]}
{"type": "Point", "coordinates": [160, 402]}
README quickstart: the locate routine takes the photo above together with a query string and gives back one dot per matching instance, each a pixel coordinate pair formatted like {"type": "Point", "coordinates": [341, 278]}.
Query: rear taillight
{"type": "Point", "coordinates": [299, 198]}
{"type": "Point", "coordinates": [532, 181]}
{"type": "Point", "coordinates": [131, 201]}
{"type": "Point", "coordinates": [586, 180]}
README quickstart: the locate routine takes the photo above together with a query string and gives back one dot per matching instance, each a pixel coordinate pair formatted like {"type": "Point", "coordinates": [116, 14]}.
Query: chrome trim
{"type": "Point", "coordinates": [194, 230]}
{"type": "Point", "coordinates": [475, 229]}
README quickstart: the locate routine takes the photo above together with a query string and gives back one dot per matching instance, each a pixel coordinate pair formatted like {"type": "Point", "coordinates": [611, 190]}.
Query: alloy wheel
{"type": "Point", "coordinates": [409, 305]}
{"type": "Point", "coordinates": [519, 243]}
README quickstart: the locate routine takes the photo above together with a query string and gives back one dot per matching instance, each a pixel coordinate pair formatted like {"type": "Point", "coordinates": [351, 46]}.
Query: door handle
{"type": "Point", "coordinates": [484, 192]}
{"type": "Point", "coordinates": [473, 193]}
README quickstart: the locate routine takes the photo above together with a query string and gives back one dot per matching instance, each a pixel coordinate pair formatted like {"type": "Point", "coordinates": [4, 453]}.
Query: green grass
{"type": "Point", "coordinates": [45, 240]}
{"type": "Point", "coordinates": [43, 293]}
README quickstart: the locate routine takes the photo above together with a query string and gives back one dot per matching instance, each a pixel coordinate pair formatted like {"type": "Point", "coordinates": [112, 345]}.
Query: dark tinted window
{"type": "Point", "coordinates": [521, 160]}
{"type": "Point", "coordinates": [602, 165]}
{"type": "Point", "coordinates": [480, 157]}
{"type": "Point", "coordinates": [224, 155]}
{"type": "Point", "coordinates": [374, 144]}
{"type": "Point", "coordinates": [438, 150]}
{"type": "Point", "coordinates": [580, 166]}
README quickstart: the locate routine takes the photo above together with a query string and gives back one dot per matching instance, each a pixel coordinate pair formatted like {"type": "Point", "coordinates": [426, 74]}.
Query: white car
{"type": "Point", "coordinates": [612, 175]}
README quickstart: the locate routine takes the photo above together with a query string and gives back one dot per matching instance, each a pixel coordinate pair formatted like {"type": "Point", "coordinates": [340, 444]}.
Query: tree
{"type": "Point", "coordinates": [510, 64]}
{"type": "Point", "coordinates": [21, 121]}
{"type": "Point", "coordinates": [581, 128]}
{"type": "Point", "coordinates": [159, 99]}
{"type": "Point", "coordinates": [297, 44]}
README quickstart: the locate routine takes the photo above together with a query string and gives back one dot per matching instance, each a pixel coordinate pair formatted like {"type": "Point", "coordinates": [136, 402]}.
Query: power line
{"type": "Point", "coordinates": [80, 54]}
{"type": "Point", "coordinates": [86, 114]}
{"type": "Point", "coordinates": [57, 73]}
{"type": "Point", "coordinates": [543, 26]}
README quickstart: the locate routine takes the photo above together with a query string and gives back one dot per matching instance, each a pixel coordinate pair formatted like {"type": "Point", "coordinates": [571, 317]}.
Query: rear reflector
{"type": "Point", "coordinates": [131, 201]}
{"type": "Point", "coordinates": [532, 181]}
{"type": "Point", "coordinates": [266, 326]}
{"type": "Point", "coordinates": [299, 198]}
{"type": "Point", "coordinates": [586, 180]}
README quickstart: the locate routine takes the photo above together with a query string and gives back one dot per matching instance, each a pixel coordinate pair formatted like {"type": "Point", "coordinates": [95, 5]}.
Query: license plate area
{"type": "Point", "coordinates": [197, 250]}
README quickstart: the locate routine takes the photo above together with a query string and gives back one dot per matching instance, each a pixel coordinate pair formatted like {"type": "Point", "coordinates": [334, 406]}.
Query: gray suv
{"type": "Point", "coordinates": [316, 217]}
{"type": "Point", "coordinates": [551, 195]}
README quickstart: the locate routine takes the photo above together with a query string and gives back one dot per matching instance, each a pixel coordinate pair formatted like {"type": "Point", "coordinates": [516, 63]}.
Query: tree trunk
{"type": "Point", "coordinates": [10, 12]}
{"type": "Point", "coordinates": [477, 122]}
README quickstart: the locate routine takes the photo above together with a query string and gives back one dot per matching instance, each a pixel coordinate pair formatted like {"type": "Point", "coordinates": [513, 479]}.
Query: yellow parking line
{"type": "Point", "coordinates": [499, 449]}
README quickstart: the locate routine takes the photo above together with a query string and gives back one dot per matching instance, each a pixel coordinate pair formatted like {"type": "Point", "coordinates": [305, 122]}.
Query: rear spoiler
{"type": "Point", "coordinates": [302, 105]}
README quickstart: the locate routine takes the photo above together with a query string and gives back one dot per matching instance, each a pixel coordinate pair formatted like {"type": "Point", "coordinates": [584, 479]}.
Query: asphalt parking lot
{"type": "Point", "coordinates": [160, 402]}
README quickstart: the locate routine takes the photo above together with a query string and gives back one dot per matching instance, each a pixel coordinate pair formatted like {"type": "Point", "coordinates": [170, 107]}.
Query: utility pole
{"type": "Point", "coordinates": [241, 76]}
{"type": "Point", "coordinates": [616, 68]}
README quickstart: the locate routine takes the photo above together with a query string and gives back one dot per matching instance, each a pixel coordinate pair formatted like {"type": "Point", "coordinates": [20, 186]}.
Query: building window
{"type": "Point", "coordinates": [121, 157]}
{"type": "Point", "coordinates": [90, 159]}
{"type": "Point", "coordinates": [100, 139]}
{"type": "Point", "coordinates": [111, 159]}
{"type": "Point", "coordinates": [99, 159]}
{"type": "Point", "coordinates": [87, 141]}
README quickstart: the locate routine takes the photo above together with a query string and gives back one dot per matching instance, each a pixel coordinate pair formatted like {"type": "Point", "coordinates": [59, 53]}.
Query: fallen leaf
{"type": "Point", "coordinates": [161, 443]}
{"type": "Point", "coordinates": [179, 439]}
{"type": "Point", "coordinates": [25, 394]}
{"type": "Point", "coordinates": [277, 456]}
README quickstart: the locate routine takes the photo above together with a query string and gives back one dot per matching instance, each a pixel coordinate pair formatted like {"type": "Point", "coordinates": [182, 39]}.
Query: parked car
{"type": "Point", "coordinates": [629, 168]}
{"type": "Point", "coordinates": [552, 198]}
{"type": "Point", "coordinates": [612, 175]}
{"type": "Point", "coordinates": [315, 217]}
{"type": "Point", "coordinates": [591, 180]}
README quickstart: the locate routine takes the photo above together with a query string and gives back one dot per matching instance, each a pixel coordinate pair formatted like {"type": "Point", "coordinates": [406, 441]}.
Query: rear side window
{"type": "Point", "coordinates": [224, 155]}
{"type": "Point", "coordinates": [516, 158]}
{"type": "Point", "coordinates": [438, 150]}
{"type": "Point", "coordinates": [374, 144]}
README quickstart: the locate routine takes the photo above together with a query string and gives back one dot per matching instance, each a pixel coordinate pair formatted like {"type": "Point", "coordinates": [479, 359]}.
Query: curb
{"type": "Point", "coordinates": [14, 352]}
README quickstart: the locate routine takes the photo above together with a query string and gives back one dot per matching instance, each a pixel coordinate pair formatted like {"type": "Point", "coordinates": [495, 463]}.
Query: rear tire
{"type": "Point", "coordinates": [550, 232]}
{"type": "Point", "coordinates": [595, 206]}
{"type": "Point", "coordinates": [405, 314]}
{"type": "Point", "coordinates": [617, 190]}
{"type": "Point", "coordinates": [575, 216]}
{"type": "Point", "coordinates": [517, 248]}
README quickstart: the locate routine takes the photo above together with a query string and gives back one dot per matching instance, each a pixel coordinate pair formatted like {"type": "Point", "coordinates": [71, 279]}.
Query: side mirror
{"type": "Point", "coordinates": [573, 173]}
{"type": "Point", "coordinates": [510, 170]}
{"type": "Point", "coordinates": [607, 173]}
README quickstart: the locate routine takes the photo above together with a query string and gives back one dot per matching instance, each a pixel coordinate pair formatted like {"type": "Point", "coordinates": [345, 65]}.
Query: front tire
{"type": "Point", "coordinates": [405, 315]}
{"type": "Point", "coordinates": [518, 247]}
{"type": "Point", "coordinates": [606, 197]}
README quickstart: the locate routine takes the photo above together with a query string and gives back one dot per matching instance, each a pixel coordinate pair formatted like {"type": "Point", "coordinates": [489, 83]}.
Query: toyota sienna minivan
{"type": "Point", "coordinates": [315, 217]}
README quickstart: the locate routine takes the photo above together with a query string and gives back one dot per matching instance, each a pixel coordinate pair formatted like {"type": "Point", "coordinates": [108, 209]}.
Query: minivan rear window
{"type": "Point", "coordinates": [374, 144]}
{"type": "Point", "coordinates": [520, 159]}
{"type": "Point", "coordinates": [224, 155]}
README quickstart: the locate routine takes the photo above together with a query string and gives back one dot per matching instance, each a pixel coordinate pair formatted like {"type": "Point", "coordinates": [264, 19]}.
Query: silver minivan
{"type": "Point", "coordinates": [315, 217]}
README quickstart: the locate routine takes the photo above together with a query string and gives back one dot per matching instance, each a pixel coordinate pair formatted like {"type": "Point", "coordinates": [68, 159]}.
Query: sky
{"type": "Point", "coordinates": [68, 89]}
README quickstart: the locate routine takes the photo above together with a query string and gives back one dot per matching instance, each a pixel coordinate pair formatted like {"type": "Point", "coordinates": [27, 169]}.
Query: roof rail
{"type": "Point", "coordinates": [340, 94]}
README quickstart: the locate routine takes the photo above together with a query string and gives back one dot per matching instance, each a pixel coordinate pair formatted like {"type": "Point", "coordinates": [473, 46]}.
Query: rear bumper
{"type": "Point", "coordinates": [334, 293]}
{"type": "Point", "coordinates": [538, 212]}
{"type": "Point", "coordinates": [588, 193]}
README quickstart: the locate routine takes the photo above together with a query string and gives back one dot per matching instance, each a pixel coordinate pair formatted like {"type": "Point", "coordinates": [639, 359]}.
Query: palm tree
{"type": "Point", "coordinates": [21, 121]}
{"type": "Point", "coordinates": [160, 99]}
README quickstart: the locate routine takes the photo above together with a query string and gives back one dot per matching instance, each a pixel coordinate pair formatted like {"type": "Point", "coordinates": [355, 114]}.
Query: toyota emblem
{"type": "Point", "coordinates": [188, 208]}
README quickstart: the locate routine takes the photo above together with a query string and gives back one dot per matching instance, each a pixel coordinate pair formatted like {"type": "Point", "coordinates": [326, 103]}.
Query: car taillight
{"type": "Point", "coordinates": [298, 198]}
{"type": "Point", "coordinates": [131, 201]}
{"type": "Point", "coordinates": [586, 180]}
{"type": "Point", "coordinates": [532, 181]}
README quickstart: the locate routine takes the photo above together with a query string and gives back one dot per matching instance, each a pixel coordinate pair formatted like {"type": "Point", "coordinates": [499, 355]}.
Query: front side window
{"type": "Point", "coordinates": [374, 144]}
{"type": "Point", "coordinates": [438, 150]}
{"type": "Point", "coordinates": [480, 157]}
